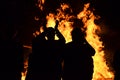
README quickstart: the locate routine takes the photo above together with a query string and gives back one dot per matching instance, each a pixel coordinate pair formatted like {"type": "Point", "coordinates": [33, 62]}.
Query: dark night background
{"type": "Point", "coordinates": [18, 16]}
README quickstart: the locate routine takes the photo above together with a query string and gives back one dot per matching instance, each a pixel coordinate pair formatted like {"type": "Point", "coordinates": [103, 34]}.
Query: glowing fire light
{"type": "Point", "coordinates": [25, 72]}
{"type": "Point", "coordinates": [65, 26]}
{"type": "Point", "coordinates": [50, 20]}
{"type": "Point", "coordinates": [41, 4]}
{"type": "Point", "coordinates": [101, 70]}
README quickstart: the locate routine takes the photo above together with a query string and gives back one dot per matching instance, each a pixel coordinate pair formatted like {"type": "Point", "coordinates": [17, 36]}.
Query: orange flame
{"type": "Point", "coordinates": [65, 26]}
{"type": "Point", "coordinates": [50, 20]}
{"type": "Point", "coordinates": [25, 65]}
{"type": "Point", "coordinates": [40, 4]}
{"type": "Point", "coordinates": [101, 71]}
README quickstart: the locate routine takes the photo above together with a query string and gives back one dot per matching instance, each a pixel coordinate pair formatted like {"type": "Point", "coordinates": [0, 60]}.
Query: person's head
{"type": "Point", "coordinates": [77, 35]}
{"type": "Point", "coordinates": [50, 33]}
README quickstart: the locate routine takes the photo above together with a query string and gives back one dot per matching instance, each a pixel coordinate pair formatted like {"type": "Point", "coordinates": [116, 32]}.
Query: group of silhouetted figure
{"type": "Point", "coordinates": [55, 59]}
{"type": "Point", "coordinates": [51, 59]}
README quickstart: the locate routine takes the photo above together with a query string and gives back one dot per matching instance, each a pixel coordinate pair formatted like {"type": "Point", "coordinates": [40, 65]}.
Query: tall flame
{"type": "Point", "coordinates": [101, 71]}
{"type": "Point", "coordinates": [65, 26]}
{"type": "Point", "coordinates": [50, 20]}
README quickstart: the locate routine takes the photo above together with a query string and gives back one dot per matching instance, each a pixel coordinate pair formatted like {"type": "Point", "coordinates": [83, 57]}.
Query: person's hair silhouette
{"type": "Point", "coordinates": [77, 35]}
{"type": "Point", "coordinates": [50, 33]}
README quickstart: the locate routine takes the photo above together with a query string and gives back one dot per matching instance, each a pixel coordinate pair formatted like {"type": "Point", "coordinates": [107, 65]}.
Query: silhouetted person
{"type": "Point", "coordinates": [55, 48]}
{"type": "Point", "coordinates": [11, 59]}
{"type": "Point", "coordinates": [78, 62]}
{"type": "Point", "coordinates": [116, 65]}
{"type": "Point", "coordinates": [45, 61]}
{"type": "Point", "coordinates": [37, 59]}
